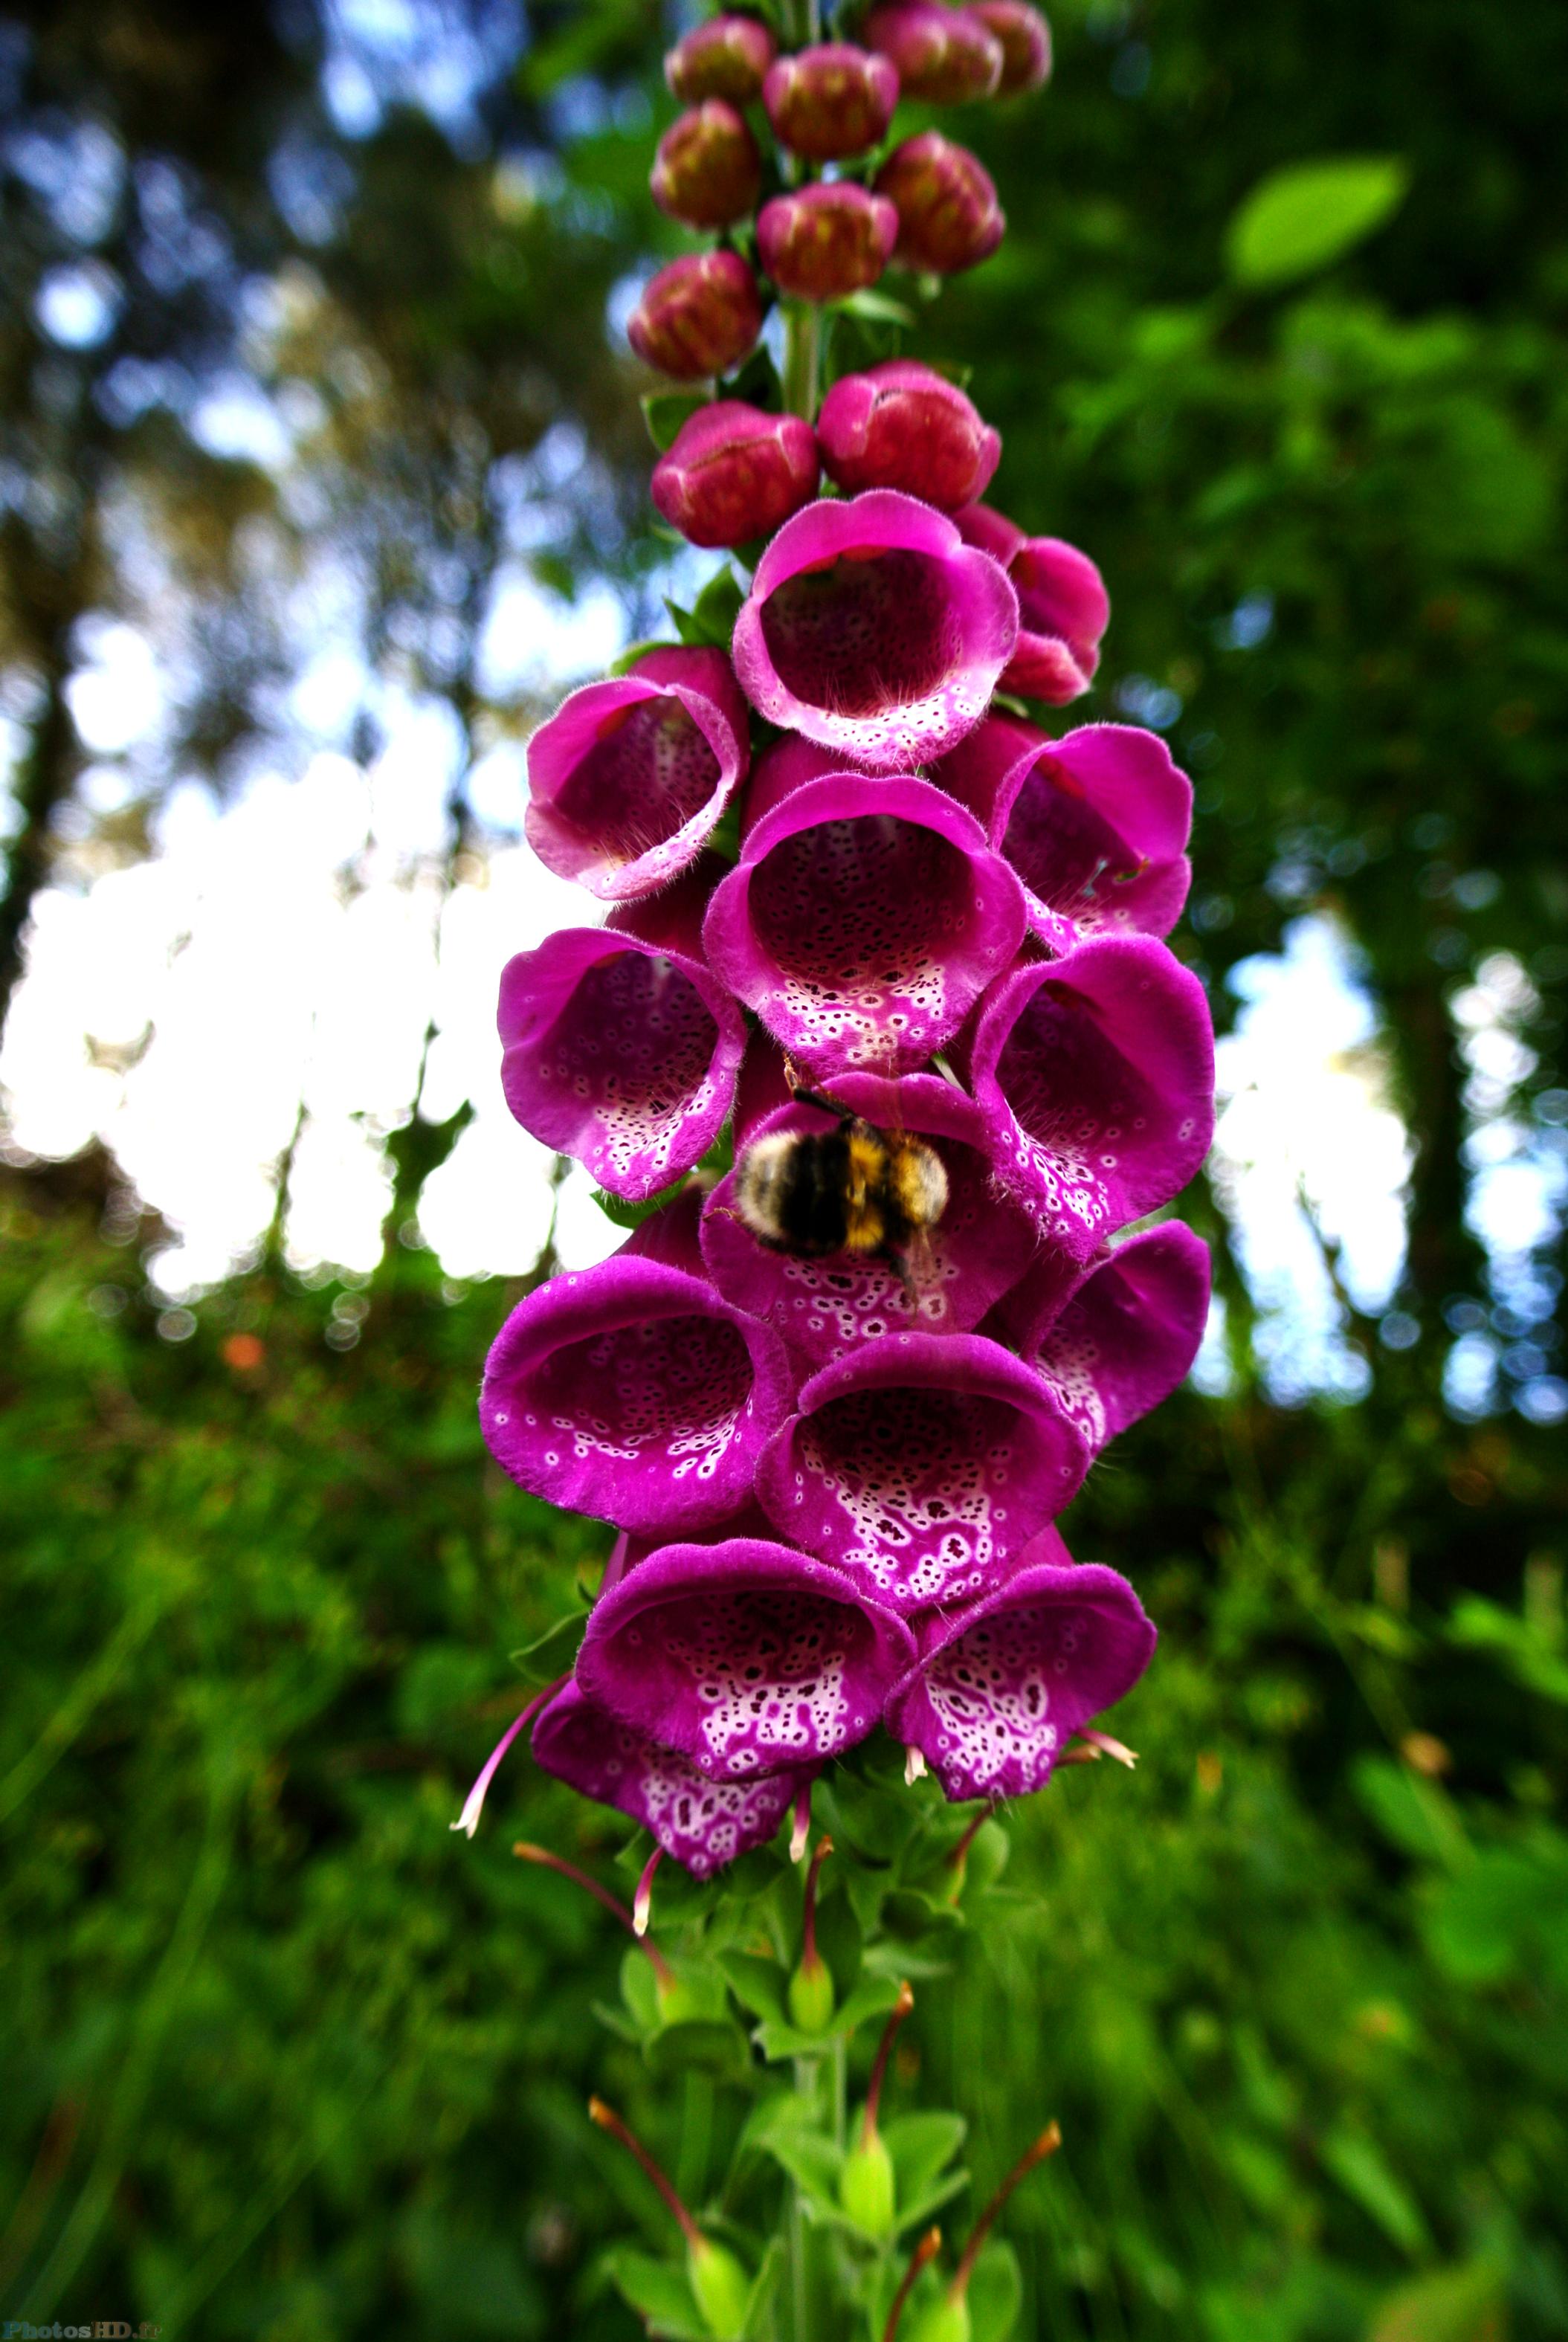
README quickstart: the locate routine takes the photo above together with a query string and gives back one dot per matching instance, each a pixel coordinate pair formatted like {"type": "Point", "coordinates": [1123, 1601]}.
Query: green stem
{"type": "Point", "coordinates": [803, 343]}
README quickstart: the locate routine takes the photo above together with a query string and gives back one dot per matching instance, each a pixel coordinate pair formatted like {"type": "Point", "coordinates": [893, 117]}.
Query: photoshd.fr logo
{"type": "Point", "coordinates": [17, 2330]}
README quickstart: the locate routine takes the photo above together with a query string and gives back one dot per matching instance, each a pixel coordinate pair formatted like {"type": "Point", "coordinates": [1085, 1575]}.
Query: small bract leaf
{"type": "Point", "coordinates": [1301, 217]}
{"type": "Point", "coordinates": [665, 411]}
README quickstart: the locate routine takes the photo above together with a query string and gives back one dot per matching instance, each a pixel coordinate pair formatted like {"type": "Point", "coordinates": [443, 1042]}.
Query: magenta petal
{"type": "Point", "coordinates": [863, 922]}
{"type": "Point", "coordinates": [1003, 1684]}
{"type": "Point", "coordinates": [632, 1392]}
{"type": "Point", "coordinates": [747, 1658]}
{"type": "Point", "coordinates": [628, 777]}
{"type": "Point", "coordinates": [782, 768]}
{"type": "Point", "coordinates": [703, 1824]}
{"type": "Point", "coordinates": [1097, 1074]}
{"type": "Point", "coordinates": [1115, 1339]}
{"type": "Point", "coordinates": [1095, 824]}
{"type": "Point", "coordinates": [921, 1466]}
{"type": "Point", "coordinates": [872, 628]}
{"type": "Point", "coordinates": [978, 1249]}
{"type": "Point", "coordinates": [619, 1054]}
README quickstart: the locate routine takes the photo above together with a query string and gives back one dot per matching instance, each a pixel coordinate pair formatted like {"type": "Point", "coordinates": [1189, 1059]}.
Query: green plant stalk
{"type": "Point", "coordinates": [802, 356]}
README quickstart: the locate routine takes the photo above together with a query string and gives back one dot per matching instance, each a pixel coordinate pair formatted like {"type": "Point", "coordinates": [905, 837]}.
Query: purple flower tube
{"type": "Point", "coordinates": [979, 1248]}
{"type": "Point", "coordinates": [872, 628]}
{"type": "Point", "coordinates": [703, 1824]}
{"type": "Point", "coordinates": [747, 1658]}
{"type": "Point", "coordinates": [921, 1465]}
{"type": "Point", "coordinates": [1096, 823]}
{"type": "Point", "coordinates": [1113, 1339]}
{"type": "Point", "coordinates": [1097, 1074]}
{"type": "Point", "coordinates": [630, 1391]}
{"type": "Point", "coordinates": [620, 1054]}
{"type": "Point", "coordinates": [1062, 606]}
{"type": "Point", "coordinates": [629, 776]}
{"type": "Point", "coordinates": [862, 921]}
{"type": "Point", "coordinates": [1003, 1683]}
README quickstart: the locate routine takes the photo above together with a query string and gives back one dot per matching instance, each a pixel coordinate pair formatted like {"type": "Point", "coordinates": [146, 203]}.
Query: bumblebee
{"type": "Point", "coordinates": [853, 1189]}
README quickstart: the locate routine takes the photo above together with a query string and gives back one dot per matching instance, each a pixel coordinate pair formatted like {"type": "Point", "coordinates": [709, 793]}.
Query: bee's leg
{"type": "Point", "coordinates": [899, 1264]}
{"type": "Point", "coordinates": [822, 1105]}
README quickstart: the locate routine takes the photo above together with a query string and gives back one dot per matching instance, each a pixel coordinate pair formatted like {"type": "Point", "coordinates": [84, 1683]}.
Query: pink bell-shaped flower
{"type": "Point", "coordinates": [703, 1824]}
{"type": "Point", "coordinates": [872, 628]}
{"type": "Point", "coordinates": [632, 1392]}
{"type": "Point", "coordinates": [1097, 1072]}
{"type": "Point", "coordinates": [824, 1306]}
{"type": "Point", "coordinates": [733, 473]}
{"type": "Point", "coordinates": [901, 425]}
{"type": "Point", "coordinates": [619, 1054]}
{"type": "Point", "coordinates": [746, 1658]}
{"type": "Point", "coordinates": [629, 776]}
{"type": "Point", "coordinates": [1004, 1682]}
{"type": "Point", "coordinates": [830, 100]}
{"type": "Point", "coordinates": [727, 57]}
{"type": "Point", "coordinates": [1115, 1336]}
{"type": "Point", "coordinates": [921, 1466]}
{"type": "Point", "coordinates": [698, 316]}
{"type": "Point", "coordinates": [1026, 39]}
{"type": "Point", "coordinates": [1096, 823]}
{"type": "Point", "coordinates": [948, 214]}
{"type": "Point", "coordinates": [862, 921]}
{"type": "Point", "coordinates": [707, 172]}
{"type": "Point", "coordinates": [825, 241]}
{"type": "Point", "coordinates": [1062, 606]}
{"type": "Point", "coordinates": [946, 57]}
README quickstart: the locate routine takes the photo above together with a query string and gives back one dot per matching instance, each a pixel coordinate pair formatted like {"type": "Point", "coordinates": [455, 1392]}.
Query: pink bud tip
{"type": "Point", "coordinates": [643, 1901]}
{"type": "Point", "coordinates": [734, 473]}
{"type": "Point", "coordinates": [901, 425]}
{"type": "Point", "coordinates": [727, 57]}
{"type": "Point", "coordinates": [948, 214]}
{"type": "Point", "coordinates": [831, 100]}
{"type": "Point", "coordinates": [1026, 41]}
{"type": "Point", "coordinates": [825, 242]}
{"type": "Point", "coordinates": [943, 55]}
{"type": "Point", "coordinates": [707, 172]}
{"type": "Point", "coordinates": [698, 316]}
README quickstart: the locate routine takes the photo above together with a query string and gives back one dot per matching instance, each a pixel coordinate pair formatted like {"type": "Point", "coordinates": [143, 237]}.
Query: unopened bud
{"type": "Point", "coordinates": [726, 57]}
{"type": "Point", "coordinates": [1026, 39]}
{"type": "Point", "coordinates": [698, 316]}
{"type": "Point", "coordinates": [945, 56]}
{"type": "Point", "coordinates": [811, 1994]}
{"type": "Point", "coordinates": [900, 425]}
{"type": "Point", "coordinates": [866, 2187]}
{"type": "Point", "coordinates": [948, 214]}
{"type": "Point", "coordinates": [830, 101]}
{"type": "Point", "coordinates": [722, 2288]}
{"type": "Point", "coordinates": [822, 243]}
{"type": "Point", "coordinates": [734, 473]}
{"type": "Point", "coordinates": [707, 172]}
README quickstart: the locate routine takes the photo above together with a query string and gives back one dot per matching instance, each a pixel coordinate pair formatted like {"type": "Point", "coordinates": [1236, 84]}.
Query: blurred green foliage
{"type": "Point", "coordinates": [284, 2058]}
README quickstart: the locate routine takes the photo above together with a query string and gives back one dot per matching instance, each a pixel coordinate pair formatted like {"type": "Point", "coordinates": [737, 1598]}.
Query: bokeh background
{"type": "Point", "coordinates": [322, 476]}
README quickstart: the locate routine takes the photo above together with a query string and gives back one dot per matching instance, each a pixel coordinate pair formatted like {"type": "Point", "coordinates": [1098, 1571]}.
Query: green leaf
{"type": "Point", "coordinates": [1414, 1814]}
{"type": "Point", "coordinates": [1300, 218]}
{"type": "Point", "coordinates": [1357, 2163]}
{"type": "Point", "coordinates": [756, 382]}
{"type": "Point", "coordinates": [658, 2291]}
{"type": "Point", "coordinates": [664, 412]}
{"type": "Point", "coordinates": [703, 2045]}
{"type": "Point", "coordinates": [764, 2285]}
{"type": "Point", "coordinates": [921, 2145]}
{"type": "Point", "coordinates": [881, 308]}
{"type": "Point", "coordinates": [757, 1984]}
{"type": "Point", "coordinates": [813, 2162]}
{"type": "Point", "coordinates": [551, 1653]}
{"type": "Point", "coordinates": [995, 2294]}
{"type": "Point", "coordinates": [627, 1214]}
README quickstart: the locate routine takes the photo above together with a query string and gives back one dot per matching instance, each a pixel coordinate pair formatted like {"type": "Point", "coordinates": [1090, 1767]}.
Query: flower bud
{"type": "Point", "coordinates": [945, 56]}
{"type": "Point", "coordinates": [734, 473]}
{"type": "Point", "coordinates": [830, 101]}
{"type": "Point", "coordinates": [726, 57]}
{"type": "Point", "coordinates": [865, 2188]}
{"type": "Point", "coordinates": [900, 425]}
{"type": "Point", "coordinates": [707, 172]}
{"type": "Point", "coordinates": [822, 243]}
{"type": "Point", "coordinates": [948, 214]}
{"type": "Point", "coordinates": [722, 2288]}
{"type": "Point", "coordinates": [1026, 39]}
{"type": "Point", "coordinates": [699, 316]}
